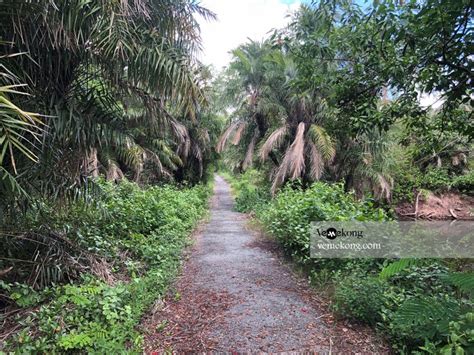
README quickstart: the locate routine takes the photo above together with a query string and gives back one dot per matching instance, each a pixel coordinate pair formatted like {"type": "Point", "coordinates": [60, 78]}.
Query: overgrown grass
{"type": "Point", "coordinates": [136, 236]}
{"type": "Point", "coordinates": [250, 189]}
{"type": "Point", "coordinates": [423, 306]}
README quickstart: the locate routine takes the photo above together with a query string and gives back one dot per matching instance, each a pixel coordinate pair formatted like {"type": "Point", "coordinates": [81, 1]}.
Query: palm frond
{"type": "Point", "coordinates": [274, 140]}
{"type": "Point", "coordinates": [16, 126]}
{"type": "Point", "coordinates": [316, 162]}
{"type": "Point", "coordinates": [250, 152]}
{"type": "Point", "coordinates": [293, 163]}
{"type": "Point", "coordinates": [323, 142]}
{"type": "Point", "coordinates": [297, 163]}
{"type": "Point", "coordinates": [225, 136]}
{"type": "Point", "coordinates": [238, 133]}
{"type": "Point", "coordinates": [396, 267]}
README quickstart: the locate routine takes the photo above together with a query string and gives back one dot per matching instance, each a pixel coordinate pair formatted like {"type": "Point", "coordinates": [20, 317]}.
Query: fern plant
{"type": "Point", "coordinates": [443, 322]}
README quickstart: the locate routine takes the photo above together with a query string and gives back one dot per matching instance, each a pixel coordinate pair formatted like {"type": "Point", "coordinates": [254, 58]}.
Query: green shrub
{"type": "Point", "coordinates": [289, 215]}
{"type": "Point", "coordinates": [422, 301]}
{"type": "Point", "coordinates": [139, 232]}
{"type": "Point", "coordinates": [251, 199]}
{"type": "Point", "coordinates": [426, 319]}
{"type": "Point", "coordinates": [251, 190]}
{"type": "Point", "coordinates": [411, 178]}
{"type": "Point", "coordinates": [460, 337]}
{"type": "Point", "coordinates": [436, 179]}
{"type": "Point", "coordinates": [464, 183]}
{"type": "Point", "coordinates": [406, 180]}
{"type": "Point", "coordinates": [360, 298]}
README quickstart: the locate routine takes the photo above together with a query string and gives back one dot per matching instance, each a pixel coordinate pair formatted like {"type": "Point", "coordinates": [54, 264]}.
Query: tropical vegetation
{"type": "Point", "coordinates": [106, 141]}
{"type": "Point", "coordinates": [111, 128]}
{"type": "Point", "coordinates": [418, 305]}
{"type": "Point", "coordinates": [328, 122]}
{"type": "Point", "coordinates": [335, 96]}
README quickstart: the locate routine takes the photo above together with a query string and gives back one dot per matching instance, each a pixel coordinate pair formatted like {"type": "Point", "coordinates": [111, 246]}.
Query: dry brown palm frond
{"type": "Point", "coordinates": [181, 133]}
{"type": "Point", "coordinates": [197, 152]}
{"type": "Point", "coordinates": [135, 7]}
{"type": "Point", "coordinates": [250, 150]}
{"type": "Point", "coordinates": [205, 136]}
{"type": "Point", "coordinates": [367, 159]}
{"type": "Point", "coordinates": [385, 187]}
{"type": "Point", "coordinates": [198, 155]}
{"type": "Point", "coordinates": [316, 162]}
{"type": "Point", "coordinates": [297, 153]}
{"type": "Point", "coordinates": [280, 174]}
{"type": "Point", "coordinates": [225, 136]}
{"type": "Point", "coordinates": [113, 171]}
{"type": "Point", "coordinates": [238, 133]}
{"type": "Point", "coordinates": [293, 160]}
{"type": "Point", "coordinates": [273, 141]}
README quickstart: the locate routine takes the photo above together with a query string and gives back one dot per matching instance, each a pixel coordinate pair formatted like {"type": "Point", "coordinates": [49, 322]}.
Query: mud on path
{"type": "Point", "coordinates": [236, 295]}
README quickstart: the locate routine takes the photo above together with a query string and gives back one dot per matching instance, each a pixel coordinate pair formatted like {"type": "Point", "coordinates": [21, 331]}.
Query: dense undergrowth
{"type": "Point", "coordinates": [420, 306]}
{"type": "Point", "coordinates": [108, 262]}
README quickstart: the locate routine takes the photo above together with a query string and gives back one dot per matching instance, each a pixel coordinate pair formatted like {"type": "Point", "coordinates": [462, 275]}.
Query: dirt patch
{"type": "Point", "coordinates": [183, 325]}
{"type": "Point", "coordinates": [438, 207]}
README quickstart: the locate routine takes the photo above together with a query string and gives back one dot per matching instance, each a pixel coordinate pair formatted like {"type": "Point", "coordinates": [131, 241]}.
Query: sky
{"type": "Point", "coordinates": [238, 20]}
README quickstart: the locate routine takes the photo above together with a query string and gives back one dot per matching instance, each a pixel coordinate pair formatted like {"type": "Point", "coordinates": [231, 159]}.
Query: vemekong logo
{"type": "Point", "coordinates": [333, 233]}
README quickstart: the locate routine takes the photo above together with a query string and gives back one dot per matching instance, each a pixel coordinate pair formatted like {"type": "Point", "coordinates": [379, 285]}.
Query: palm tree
{"type": "Point", "coordinates": [106, 74]}
{"type": "Point", "coordinates": [304, 145]}
{"type": "Point", "coordinates": [246, 92]}
{"type": "Point", "coordinates": [288, 125]}
{"type": "Point", "coordinates": [365, 163]}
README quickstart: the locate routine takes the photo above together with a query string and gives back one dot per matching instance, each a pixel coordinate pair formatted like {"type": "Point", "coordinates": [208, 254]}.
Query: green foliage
{"type": "Point", "coordinates": [397, 266]}
{"type": "Point", "coordinates": [418, 304]}
{"type": "Point", "coordinates": [360, 298]}
{"type": "Point", "coordinates": [464, 183]}
{"type": "Point", "coordinates": [462, 280]}
{"type": "Point", "coordinates": [23, 295]}
{"type": "Point", "coordinates": [424, 304]}
{"type": "Point", "coordinates": [436, 322]}
{"type": "Point", "coordinates": [460, 337]}
{"type": "Point", "coordinates": [435, 179]}
{"type": "Point", "coordinates": [409, 179]}
{"type": "Point", "coordinates": [250, 199]}
{"type": "Point", "coordinates": [288, 216]}
{"type": "Point", "coordinates": [140, 234]}
{"type": "Point", "coordinates": [416, 42]}
{"type": "Point", "coordinates": [251, 190]}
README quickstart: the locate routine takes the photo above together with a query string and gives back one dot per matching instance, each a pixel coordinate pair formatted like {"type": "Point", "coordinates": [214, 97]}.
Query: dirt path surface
{"type": "Point", "coordinates": [236, 295]}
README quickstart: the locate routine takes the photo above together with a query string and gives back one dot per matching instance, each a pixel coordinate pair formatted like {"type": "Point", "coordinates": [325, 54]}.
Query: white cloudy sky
{"type": "Point", "coordinates": [238, 20]}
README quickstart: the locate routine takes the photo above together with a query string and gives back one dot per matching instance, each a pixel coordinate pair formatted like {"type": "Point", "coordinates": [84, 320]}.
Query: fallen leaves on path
{"type": "Point", "coordinates": [182, 322]}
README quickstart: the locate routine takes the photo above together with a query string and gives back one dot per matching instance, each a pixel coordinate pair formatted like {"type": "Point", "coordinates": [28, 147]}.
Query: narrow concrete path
{"type": "Point", "coordinates": [236, 295]}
